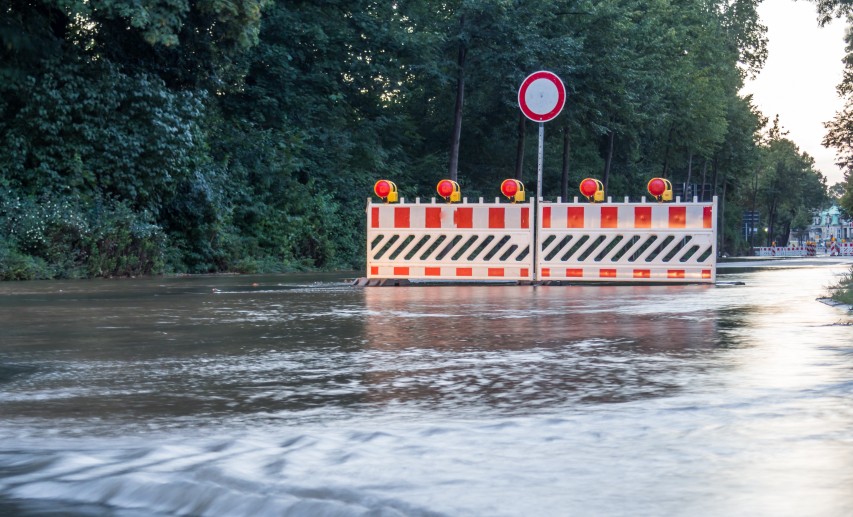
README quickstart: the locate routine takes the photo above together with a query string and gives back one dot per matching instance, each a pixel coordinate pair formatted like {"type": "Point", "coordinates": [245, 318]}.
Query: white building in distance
{"type": "Point", "coordinates": [830, 223]}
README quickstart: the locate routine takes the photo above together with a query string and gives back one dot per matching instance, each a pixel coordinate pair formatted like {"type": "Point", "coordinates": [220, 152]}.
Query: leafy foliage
{"type": "Point", "coordinates": [65, 239]}
{"type": "Point", "coordinates": [90, 129]}
{"type": "Point", "coordinates": [839, 133]}
{"type": "Point", "coordinates": [842, 292]}
{"type": "Point", "coordinates": [201, 136]}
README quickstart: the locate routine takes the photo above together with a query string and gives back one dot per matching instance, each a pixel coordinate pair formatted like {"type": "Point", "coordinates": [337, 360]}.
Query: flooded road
{"type": "Point", "coordinates": [302, 395]}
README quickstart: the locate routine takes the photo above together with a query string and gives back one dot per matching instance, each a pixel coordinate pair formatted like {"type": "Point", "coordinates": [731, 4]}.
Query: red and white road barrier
{"type": "Point", "coordinates": [576, 242]}
{"type": "Point", "coordinates": [834, 249]}
{"type": "Point", "coordinates": [785, 251]}
{"type": "Point", "coordinates": [627, 242]}
{"type": "Point", "coordinates": [466, 241]}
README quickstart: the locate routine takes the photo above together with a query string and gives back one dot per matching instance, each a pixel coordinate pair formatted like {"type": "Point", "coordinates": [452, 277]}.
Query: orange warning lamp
{"type": "Point", "coordinates": [660, 189]}
{"type": "Point", "coordinates": [386, 191]}
{"type": "Point", "coordinates": [449, 190]}
{"type": "Point", "coordinates": [513, 190]}
{"type": "Point", "coordinates": [592, 189]}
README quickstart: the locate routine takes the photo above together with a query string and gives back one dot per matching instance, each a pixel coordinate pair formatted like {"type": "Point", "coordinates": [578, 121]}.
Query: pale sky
{"type": "Point", "coordinates": [799, 78]}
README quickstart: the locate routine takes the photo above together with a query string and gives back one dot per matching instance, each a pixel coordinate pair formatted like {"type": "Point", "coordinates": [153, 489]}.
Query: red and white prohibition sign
{"type": "Point", "coordinates": [541, 96]}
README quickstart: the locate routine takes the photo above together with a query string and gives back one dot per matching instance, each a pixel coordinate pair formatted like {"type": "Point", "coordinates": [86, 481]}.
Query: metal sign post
{"type": "Point", "coordinates": [541, 98]}
{"type": "Point", "coordinates": [541, 160]}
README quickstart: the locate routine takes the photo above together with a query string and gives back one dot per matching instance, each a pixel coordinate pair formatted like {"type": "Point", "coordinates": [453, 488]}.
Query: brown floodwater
{"type": "Point", "coordinates": [304, 395]}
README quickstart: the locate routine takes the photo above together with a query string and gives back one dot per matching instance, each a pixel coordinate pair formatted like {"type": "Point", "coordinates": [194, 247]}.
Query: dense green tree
{"type": "Point", "coordinates": [840, 135]}
{"type": "Point", "coordinates": [92, 130]}
{"type": "Point", "coordinates": [319, 119]}
{"type": "Point", "coordinates": [244, 135]}
{"type": "Point", "coordinates": [829, 9]}
{"type": "Point", "coordinates": [103, 101]}
{"type": "Point", "coordinates": [783, 186]}
{"type": "Point", "coordinates": [734, 166]}
{"type": "Point", "coordinates": [840, 129]}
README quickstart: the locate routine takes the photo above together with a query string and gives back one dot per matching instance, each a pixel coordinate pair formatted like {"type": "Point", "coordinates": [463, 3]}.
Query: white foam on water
{"type": "Point", "coordinates": [603, 460]}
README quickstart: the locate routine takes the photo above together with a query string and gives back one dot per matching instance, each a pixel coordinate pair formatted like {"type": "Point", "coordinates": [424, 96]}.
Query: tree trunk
{"type": "Point", "coordinates": [714, 174]}
{"type": "Point", "coordinates": [773, 206]}
{"type": "Point", "coordinates": [665, 171]}
{"type": "Point", "coordinates": [787, 232]}
{"type": "Point", "coordinates": [564, 180]}
{"type": "Point", "coordinates": [771, 221]}
{"type": "Point", "coordinates": [457, 112]}
{"type": "Point", "coordinates": [689, 175]}
{"type": "Point", "coordinates": [704, 176]}
{"type": "Point", "coordinates": [519, 150]}
{"type": "Point", "coordinates": [722, 229]}
{"type": "Point", "coordinates": [754, 197]}
{"type": "Point", "coordinates": [609, 160]}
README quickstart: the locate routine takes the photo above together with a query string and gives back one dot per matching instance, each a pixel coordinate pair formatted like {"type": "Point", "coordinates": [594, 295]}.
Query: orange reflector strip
{"type": "Point", "coordinates": [574, 273]}
{"type": "Point", "coordinates": [433, 217]}
{"type": "Point", "coordinates": [496, 217]}
{"type": "Point", "coordinates": [401, 271]}
{"type": "Point", "coordinates": [642, 217]}
{"type": "Point", "coordinates": [675, 273]}
{"type": "Point", "coordinates": [432, 271]}
{"type": "Point", "coordinates": [642, 273]}
{"type": "Point", "coordinates": [546, 272]}
{"type": "Point", "coordinates": [677, 216]}
{"type": "Point", "coordinates": [496, 271]}
{"type": "Point", "coordinates": [609, 217]}
{"type": "Point", "coordinates": [706, 273]}
{"type": "Point", "coordinates": [525, 218]}
{"type": "Point", "coordinates": [546, 217]}
{"type": "Point", "coordinates": [464, 271]}
{"type": "Point", "coordinates": [464, 217]}
{"type": "Point", "coordinates": [607, 273]}
{"type": "Point", "coordinates": [707, 217]}
{"type": "Point", "coordinates": [525, 273]}
{"type": "Point", "coordinates": [574, 216]}
{"type": "Point", "coordinates": [374, 217]}
{"type": "Point", "coordinates": [374, 270]}
{"type": "Point", "coordinates": [401, 217]}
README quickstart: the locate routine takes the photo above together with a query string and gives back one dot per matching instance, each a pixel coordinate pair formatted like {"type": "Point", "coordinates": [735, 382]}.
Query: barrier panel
{"type": "Point", "coordinates": [572, 242]}
{"type": "Point", "coordinates": [627, 242]}
{"type": "Point", "coordinates": [840, 249]}
{"type": "Point", "coordinates": [443, 242]}
{"type": "Point", "coordinates": [785, 251]}
{"type": "Point", "coordinates": [833, 249]}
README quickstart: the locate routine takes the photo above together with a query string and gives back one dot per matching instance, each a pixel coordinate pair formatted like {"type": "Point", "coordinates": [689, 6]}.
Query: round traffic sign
{"type": "Point", "coordinates": [541, 96]}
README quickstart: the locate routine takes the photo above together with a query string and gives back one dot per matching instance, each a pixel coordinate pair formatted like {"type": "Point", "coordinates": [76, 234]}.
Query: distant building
{"type": "Point", "coordinates": [827, 224]}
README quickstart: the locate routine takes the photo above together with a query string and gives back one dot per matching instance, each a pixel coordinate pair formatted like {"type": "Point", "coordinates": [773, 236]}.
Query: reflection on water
{"type": "Point", "coordinates": [302, 394]}
{"type": "Point", "coordinates": [522, 349]}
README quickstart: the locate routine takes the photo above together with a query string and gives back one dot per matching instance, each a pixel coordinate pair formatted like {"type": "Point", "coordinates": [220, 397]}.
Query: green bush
{"type": "Point", "coordinates": [52, 232]}
{"type": "Point", "coordinates": [48, 239]}
{"type": "Point", "coordinates": [122, 243]}
{"type": "Point", "coordinates": [843, 291]}
{"type": "Point", "coordinates": [15, 265]}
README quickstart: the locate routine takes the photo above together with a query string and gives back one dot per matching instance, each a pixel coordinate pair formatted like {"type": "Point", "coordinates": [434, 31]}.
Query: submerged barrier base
{"type": "Point", "coordinates": [406, 282]}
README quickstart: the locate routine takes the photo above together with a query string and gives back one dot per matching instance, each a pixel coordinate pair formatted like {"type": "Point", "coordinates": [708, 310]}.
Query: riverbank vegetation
{"type": "Point", "coordinates": [147, 137]}
{"type": "Point", "coordinates": [842, 292]}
